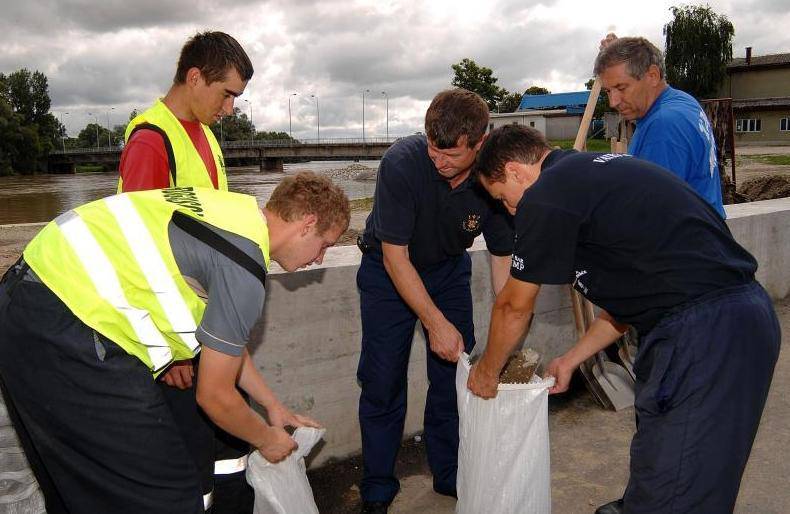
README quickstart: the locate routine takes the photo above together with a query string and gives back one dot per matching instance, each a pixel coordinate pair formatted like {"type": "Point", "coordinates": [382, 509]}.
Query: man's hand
{"type": "Point", "coordinates": [179, 375]}
{"type": "Point", "coordinates": [277, 444]}
{"type": "Point", "coordinates": [481, 383]}
{"type": "Point", "coordinates": [446, 341]}
{"type": "Point", "coordinates": [561, 369]}
{"type": "Point", "coordinates": [281, 416]}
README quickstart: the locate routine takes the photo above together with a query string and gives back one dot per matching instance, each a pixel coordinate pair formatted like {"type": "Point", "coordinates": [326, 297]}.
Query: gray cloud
{"type": "Point", "coordinates": [122, 54]}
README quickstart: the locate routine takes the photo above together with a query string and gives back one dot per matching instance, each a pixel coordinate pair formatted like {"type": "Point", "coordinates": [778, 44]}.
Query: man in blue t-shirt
{"type": "Point", "coordinates": [671, 128]}
{"type": "Point", "coordinates": [644, 247]}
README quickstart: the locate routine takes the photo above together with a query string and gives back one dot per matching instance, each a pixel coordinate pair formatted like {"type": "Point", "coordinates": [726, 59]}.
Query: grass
{"type": "Point", "coordinates": [783, 160]}
{"type": "Point", "coordinates": [593, 145]}
{"type": "Point", "coordinates": [361, 204]}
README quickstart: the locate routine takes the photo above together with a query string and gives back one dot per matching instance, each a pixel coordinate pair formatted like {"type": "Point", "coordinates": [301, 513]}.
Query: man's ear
{"type": "Point", "coordinates": [308, 221]}
{"type": "Point", "coordinates": [512, 171]}
{"type": "Point", "coordinates": [194, 76]}
{"type": "Point", "coordinates": [653, 74]}
{"type": "Point", "coordinates": [480, 143]}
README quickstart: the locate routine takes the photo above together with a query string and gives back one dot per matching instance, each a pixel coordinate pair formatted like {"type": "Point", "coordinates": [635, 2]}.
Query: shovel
{"type": "Point", "coordinates": [608, 382]}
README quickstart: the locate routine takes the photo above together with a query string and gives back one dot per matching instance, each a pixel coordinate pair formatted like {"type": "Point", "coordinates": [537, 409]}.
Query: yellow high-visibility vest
{"type": "Point", "coordinates": [111, 263]}
{"type": "Point", "coordinates": [186, 166]}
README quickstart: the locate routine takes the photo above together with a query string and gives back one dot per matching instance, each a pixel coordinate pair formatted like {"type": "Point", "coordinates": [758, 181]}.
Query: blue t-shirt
{"type": "Point", "coordinates": [676, 134]}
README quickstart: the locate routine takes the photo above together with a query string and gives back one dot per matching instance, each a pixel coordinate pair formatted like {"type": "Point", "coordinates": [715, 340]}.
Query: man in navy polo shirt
{"type": "Point", "coordinates": [643, 246]}
{"type": "Point", "coordinates": [426, 213]}
{"type": "Point", "coordinates": [672, 130]}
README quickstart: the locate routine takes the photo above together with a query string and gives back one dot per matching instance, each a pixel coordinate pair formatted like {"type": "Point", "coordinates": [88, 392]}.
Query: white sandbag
{"type": "Point", "coordinates": [282, 488]}
{"type": "Point", "coordinates": [503, 456]}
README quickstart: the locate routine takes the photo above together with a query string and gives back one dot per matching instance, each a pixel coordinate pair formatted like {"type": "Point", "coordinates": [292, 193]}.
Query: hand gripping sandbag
{"type": "Point", "coordinates": [503, 456]}
{"type": "Point", "coordinates": [282, 488]}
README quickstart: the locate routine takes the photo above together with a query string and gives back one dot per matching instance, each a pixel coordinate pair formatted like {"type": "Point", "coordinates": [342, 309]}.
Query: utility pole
{"type": "Point", "coordinates": [387, 98]}
{"type": "Point", "coordinates": [363, 114]}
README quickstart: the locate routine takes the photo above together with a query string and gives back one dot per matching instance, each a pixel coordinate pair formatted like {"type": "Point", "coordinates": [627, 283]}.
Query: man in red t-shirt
{"type": "Point", "coordinates": [172, 139]}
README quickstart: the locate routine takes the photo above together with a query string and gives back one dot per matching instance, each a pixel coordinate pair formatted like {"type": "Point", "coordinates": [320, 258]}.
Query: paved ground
{"type": "Point", "coordinates": [589, 458]}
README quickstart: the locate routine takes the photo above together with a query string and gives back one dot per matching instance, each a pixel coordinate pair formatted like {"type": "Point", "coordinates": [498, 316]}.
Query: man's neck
{"type": "Point", "coordinates": [660, 88]}
{"type": "Point", "coordinates": [176, 101]}
{"type": "Point", "coordinates": [458, 179]}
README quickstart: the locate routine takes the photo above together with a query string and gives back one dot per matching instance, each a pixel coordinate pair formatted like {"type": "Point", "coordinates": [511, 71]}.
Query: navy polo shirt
{"type": "Point", "coordinates": [632, 237]}
{"type": "Point", "coordinates": [415, 206]}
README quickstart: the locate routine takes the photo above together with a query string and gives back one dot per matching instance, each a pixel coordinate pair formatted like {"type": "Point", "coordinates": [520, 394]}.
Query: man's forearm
{"type": "Point", "coordinates": [602, 332]}
{"type": "Point", "coordinates": [231, 413]}
{"type": "Point", "coordinates": [506, 329]}
{"type": "Point", "coordinates": [252, 382]}
{"type": "Point", "coordinates": [409, 284]}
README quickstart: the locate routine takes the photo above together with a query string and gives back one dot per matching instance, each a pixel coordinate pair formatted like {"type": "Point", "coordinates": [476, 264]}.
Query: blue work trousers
{"type": "Point", "coordinates": [703, 375]}
{"type": "Point", "coordinates": [387, 330]}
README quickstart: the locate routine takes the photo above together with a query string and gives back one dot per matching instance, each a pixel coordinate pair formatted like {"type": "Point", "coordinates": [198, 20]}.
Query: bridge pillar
{"type": "Point", "coordinates": [272, 165]}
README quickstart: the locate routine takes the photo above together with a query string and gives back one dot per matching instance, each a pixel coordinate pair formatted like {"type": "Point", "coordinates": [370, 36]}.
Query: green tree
{"type": "Point", "coordinates": [509, 103]}
{"type": "Point", "coordinates": [87, 136]}
{"type": "Point", "coordinates": [536, 90]}
{"type": "Point", "coordinates": [236, 127]}
{"type": "Point", "coordinates": [698, 48]}
{"type": "Point", "coordinates": [264, 135]}
{"type": "Point", "coordinates": [479, 79]}
{"type": "Point", "coordinates": [31, 132]}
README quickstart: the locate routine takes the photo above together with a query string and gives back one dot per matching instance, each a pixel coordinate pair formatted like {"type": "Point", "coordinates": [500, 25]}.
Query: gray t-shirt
{"type": "Point", "coordinates": [234, 299]}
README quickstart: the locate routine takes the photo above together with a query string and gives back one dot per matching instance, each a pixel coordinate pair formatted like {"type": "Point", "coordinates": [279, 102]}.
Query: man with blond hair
{"type": "Point", "coordinates": [108, 295]}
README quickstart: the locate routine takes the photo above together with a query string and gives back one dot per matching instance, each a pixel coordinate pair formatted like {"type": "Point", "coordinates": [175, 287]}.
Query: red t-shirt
{"type": "Point", "coordinates": [144, 159]}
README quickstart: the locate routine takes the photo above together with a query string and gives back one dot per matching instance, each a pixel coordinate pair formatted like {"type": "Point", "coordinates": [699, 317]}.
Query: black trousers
{"type": "Point", "coordinates": [703, 375]}
{"type": "Point", "coordinates": [97, 431]}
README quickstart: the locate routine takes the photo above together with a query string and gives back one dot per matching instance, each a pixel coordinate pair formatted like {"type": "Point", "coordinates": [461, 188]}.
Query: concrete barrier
{"type": "Point", "coordinates": [310, 346]}
{"type": "Point", "coordinates": [308, 342]}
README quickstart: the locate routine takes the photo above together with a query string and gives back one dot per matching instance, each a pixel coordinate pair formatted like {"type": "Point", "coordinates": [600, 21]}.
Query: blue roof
{"type": "Point", "coordinates": [571, 101]}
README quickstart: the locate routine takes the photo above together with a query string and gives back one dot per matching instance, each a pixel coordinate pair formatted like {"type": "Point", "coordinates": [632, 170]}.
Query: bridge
{"type": "Point", "coordinates": [269, 155]}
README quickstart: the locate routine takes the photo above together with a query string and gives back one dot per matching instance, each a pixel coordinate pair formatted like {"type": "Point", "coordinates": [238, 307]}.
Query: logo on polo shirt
{"type": "Point", "coordinates": [518, 263]}
{"type": "Point", "coordinates": [577, 283]}
{"type": "Point", "coordinates": [603, 159]}
{"type": "Point", "coordinates": [472, 223]}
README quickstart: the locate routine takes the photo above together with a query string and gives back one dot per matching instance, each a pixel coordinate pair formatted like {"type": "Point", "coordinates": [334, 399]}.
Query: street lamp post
{"type": "Point", "coordinates": [387, 99]}
{"type": "Point", "coordinates": [252, 127]}
{"type": "Point", "coordinates": [363, 114]}
{"type": "Point", "coordinates": [290, 126]}
{"type": "Point", "coordinates": [221, 135]}
{"type": "Point", "coordinates": [318, 120]}
{"type": "Point", "coordinates": [109, 131]}
{"type": "Point", "coordinates": [63, 134]}
{"type": "Point", "coordinates": [96, 119]}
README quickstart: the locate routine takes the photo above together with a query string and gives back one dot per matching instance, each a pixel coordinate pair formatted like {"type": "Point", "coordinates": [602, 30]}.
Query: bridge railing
{"type": "Point", "coordinates": [273, 143]}
{"type": "Point", "coordinates": [257, 143]}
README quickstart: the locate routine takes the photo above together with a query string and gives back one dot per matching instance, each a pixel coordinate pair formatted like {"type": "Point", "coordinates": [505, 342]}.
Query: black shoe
{"type": "Point", "coordinates": [375, 507]}
{"type": "Point", "coordinates": [615, 507]}
{"type": "Point", "coordinates": [446, 491]}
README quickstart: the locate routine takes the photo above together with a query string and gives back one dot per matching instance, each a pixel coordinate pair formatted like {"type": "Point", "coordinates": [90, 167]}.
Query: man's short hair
{"type": "Point", "coordinates": [637, 53]}
{"type": "Point", "coordinates": [509, 143]}
{"type": "Point", "coordinates": [213, 53]}
{"type": "Point", "coordinates": [310, 193]}
{"type": "Point", "coordinates": [454, 113]}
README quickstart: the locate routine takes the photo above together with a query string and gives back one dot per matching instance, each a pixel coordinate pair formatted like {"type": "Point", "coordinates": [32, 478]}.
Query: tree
{"type": "Point", "coordinates": [698, 48]}
{"type": "Point", "coordinates": [478, 79]}
{"type": "Point", "coordinates": [509, 103]}
{"type": "Point", "coordinates": [29, 131]}
{"type": "Point", "coordinates": [87, 136]}
{"type": "Point", "coordinates": [536, 90]}
{"type": "Point", "coordinates": [236, 127]}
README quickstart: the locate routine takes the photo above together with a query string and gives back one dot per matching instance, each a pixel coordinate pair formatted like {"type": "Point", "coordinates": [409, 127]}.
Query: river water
{"type": "Point", "coordinates": [36, 198]}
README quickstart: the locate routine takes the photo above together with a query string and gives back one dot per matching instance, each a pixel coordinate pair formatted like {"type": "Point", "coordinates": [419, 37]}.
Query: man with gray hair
{"type": "Point", "coordinates": [671, 127]}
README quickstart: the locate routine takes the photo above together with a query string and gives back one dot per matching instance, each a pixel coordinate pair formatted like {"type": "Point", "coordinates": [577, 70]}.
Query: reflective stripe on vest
{"type": "Point", "coordinates": [230, 466]}
{"type": "Point", "coordinates": [105, 280]}
{"type": "Point", "coordinates": [154, 268]}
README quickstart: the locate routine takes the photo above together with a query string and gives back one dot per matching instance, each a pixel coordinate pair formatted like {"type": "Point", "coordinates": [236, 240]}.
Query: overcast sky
{"type": "Point", "coordinates": [111, 56]}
